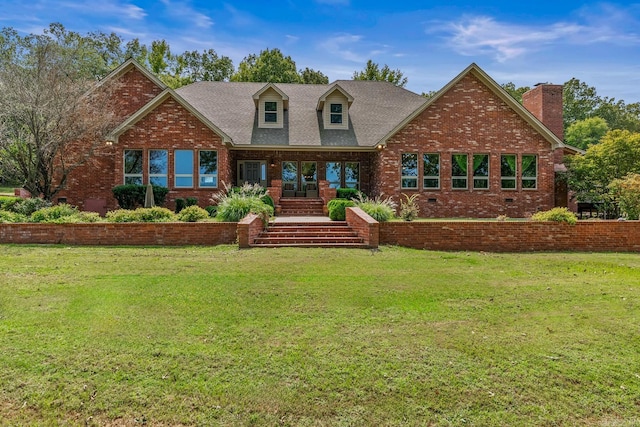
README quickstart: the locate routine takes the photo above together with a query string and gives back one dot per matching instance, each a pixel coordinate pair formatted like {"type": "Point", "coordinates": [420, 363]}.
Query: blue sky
{"type": "Point", "coordinates": [430, 41]}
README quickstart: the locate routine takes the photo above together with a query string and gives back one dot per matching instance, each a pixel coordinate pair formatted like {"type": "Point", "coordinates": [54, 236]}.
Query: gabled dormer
{"type": "Point", "coordinates": [334, 105]}
{"type": "Point", "coordinates": [271, 103]}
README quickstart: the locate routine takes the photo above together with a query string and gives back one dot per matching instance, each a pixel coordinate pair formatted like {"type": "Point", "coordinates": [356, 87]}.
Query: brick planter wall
{"type": "Point", "coordinates": [169, 234]}
{"type": "Point", "coordinates": [600, 236]}
{"type": "Point", "coordinates": [366, 227]}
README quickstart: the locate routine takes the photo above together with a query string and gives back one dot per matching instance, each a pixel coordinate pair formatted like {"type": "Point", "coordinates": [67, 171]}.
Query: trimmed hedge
{"type": "Point", "coordinates": [347, 193]}
{"type": "Point", "coordinates": [338, 209]}
{"type": "Point", "coordinates": [130, 196]}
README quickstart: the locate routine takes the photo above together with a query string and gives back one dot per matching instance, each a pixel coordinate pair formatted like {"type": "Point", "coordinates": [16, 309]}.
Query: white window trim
{"type": "Point", "coordinates": [132, 175]}
{"type": "Point", "coordinates": [513, 178]}
{"type": "Point", "coordinates": [205, 175]}
{"type": "Point", "coordinates": [481, 177]}
{"type": "Point", "coordinates": [455, 177]}
{"type": "Point", "coordinates": [534, 179]}
{"type": "Point", "coordinates": [183, 175]}
{"type": "Point", "coordinates": [409, 177]}
{"type": "Point", "coordinates": [436, 177]}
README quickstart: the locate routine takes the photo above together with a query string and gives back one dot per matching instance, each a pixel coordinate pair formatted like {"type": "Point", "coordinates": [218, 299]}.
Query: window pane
{"type": "Point", "coordinates": [508, 165]}
{"type": "Point", "coordinates": [459, 183]}
{"type": "Point", "coordinates": [529, 167]}
{"type": "Point", "coordinates": [159, 180]}
{"type": "Point", "coordinates": [508, 183]}
{"type": "Point", "coordinates": [208, 162]}
{"type": "Point", "coordinates": [271, 117]}
{"type": "Point", "coordinates": [184, 181]}
{"type": "Point", "coordinates": [133, 180]}
{"type": "Point", "coordinates": [409, 183]}
{"type": "Point", "coordinates": [352, 175]}
{"type": "Point", "coordinates": [431, 183]}
{"type": "Point", "coordinates": [409, 164]}
{"type": "Point", "coordinates": [290, 173]}
{"type": "Point", "coordinates": [270, 106]}
{"type": "Point", "coordinates": [184, 161]}
{"type": "Point", "coordinates": [133, 161]}
{"type": "Point", "coordinates": [158, 161]}
{"type": "Point", "coordinates": [333, 174]}
{"type": "Point", "coordinates": [481, 183]}
{"type": "Point", "coordinates": [336, 108]}
{"type": "Point", "coordinates": [431, 164]}
{"type": "Point", "coordinates": [459, 165]}
{"type": "Point", "coordinates": [480, 165]}
{"type": "Point", "coordinates": [336, 118]}
{"type": "Point", "coordinates": [309, 171]}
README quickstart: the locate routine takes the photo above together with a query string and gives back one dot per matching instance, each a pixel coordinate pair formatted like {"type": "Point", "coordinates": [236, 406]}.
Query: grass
{"type": "Point", "coordinates": [6, 191]}
{"type": "Point", "coordinates": [218, 336]}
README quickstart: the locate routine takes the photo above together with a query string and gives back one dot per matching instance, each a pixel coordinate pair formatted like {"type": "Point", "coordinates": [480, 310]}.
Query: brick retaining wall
{"type": "Point", "coordinates": [496, 236]}
{"type": "Point", "coordinates": [167, 233]}
{"type": "Point", "coordinates": [490, 236]}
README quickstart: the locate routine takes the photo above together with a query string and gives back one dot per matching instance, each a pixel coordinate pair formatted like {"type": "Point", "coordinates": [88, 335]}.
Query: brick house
{"type": "Point", "coordinates": [469, 151]}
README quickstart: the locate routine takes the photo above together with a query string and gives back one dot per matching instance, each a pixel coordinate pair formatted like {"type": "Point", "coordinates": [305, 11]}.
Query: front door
{"type": "Point", "coordinates": [252, 172]}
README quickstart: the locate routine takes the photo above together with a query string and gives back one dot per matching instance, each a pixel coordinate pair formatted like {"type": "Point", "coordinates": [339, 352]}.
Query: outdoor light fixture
{"type": "Point", "coordinates": [108, 143]}
{"type": "Point", "coordinates": [379, 147]}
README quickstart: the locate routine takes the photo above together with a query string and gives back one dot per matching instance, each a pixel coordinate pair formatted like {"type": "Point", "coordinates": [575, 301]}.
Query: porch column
{"type": "Point", "coordinates": [275, 191]}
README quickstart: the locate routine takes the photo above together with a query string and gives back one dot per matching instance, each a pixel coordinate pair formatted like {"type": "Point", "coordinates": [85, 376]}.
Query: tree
{"type": "Point", "coordinates": [626, 192]}
{"type": "Point", "coordinates": [587, 132]}
{"type": "Point", "coordinates": [514, 91]}
{"type": "Point", "coordinates": [270, 66]}
{"type": "Point", "coordinates": [313, 77]}
{"type": "Point", "coordinates": [49, 105]}
{"type": "Point", "coordinates": [589, 176]}
{"type": "Point", "coordinates": [372, 71]}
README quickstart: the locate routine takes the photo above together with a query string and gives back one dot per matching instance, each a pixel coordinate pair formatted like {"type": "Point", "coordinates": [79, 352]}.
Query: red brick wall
{"type": "Point", "coordinates": [468, 119]}
{"type": "Point", "coordinates": [495, 236]}
{"type": "Point", "coordinates": [171, 127]}
{"type": "Point", "coordinates": [95, 179]}
{"type": "Point", "coordinates": [366, 227]}
{"type": "Point", "coordinates": [170, 234]}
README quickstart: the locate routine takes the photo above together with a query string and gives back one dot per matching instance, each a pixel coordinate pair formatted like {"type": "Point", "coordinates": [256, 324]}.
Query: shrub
{"type": "Point", "coordinates": [191, 201]}
{"type": "Point", "coordinates": [627, 191]}
{"type": "Point", "coordinates": [212, 209]}
{"type": "Point", "coordinates": [6, 216]}
{"type": "Point", "coordinates": [180, 204]}
{"type": "Point", "coordinates": [55, 214]}
{"type": "Point", "coordinates": [268, 200]}
{"type": "Point", "coordinates": [28, 206]}
{"type": "Point", "coordinates": [557, 215]}
{"type": "Point", "coordinates": [155, 214]}
{"type": "Point", "coordinates": [235, 206]}
{"type": "Point", "coordinates": [7, 202]}
{"type": "Point", "coordinates": [380, 209]}
{"type": "Point", "coordinates": [347, 193]}
{"type": "Point", "coordinates": [409, 209]}
{"type": "Point", "coordinates": [130, 196]}
{"type": "Point", "coordinates": [337, 208]}
{"type": "Point", "coordinates": [248, 190]}
{"type": "Point", "coordinates": [192, 214]}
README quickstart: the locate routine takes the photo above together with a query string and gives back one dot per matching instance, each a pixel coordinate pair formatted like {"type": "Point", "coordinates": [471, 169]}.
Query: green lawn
{"type": "Point", "coordinates": [317, 337]}
{"type": "Point", "coordinates": [6, 191]}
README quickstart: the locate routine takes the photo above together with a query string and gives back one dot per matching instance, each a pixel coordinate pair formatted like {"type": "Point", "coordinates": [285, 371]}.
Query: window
{"type": "Point", "coordinates": [133, 166]}
{"type": "Point", "coordinates": [333, 174]}
{"type": "Point", "coordinates": [336, 113]}
{"type": "Point", "coordinates": [158, 167]}
{"type": "Point", "coordinates": [409, 170]}
{"type": "Point", "coordinates": [271, 112]}
{"type": "Point", "coordinates": [208, 172]}
{"type": "Point", "coordinates": [309, 172]}
{"type": "Point", "coordinates": [481, 171]}
{"type": "Point", "coordinates": [183, 168]}
{"type": "Point", "coordinates": [431, 171]}
{"type": "Point", "coordinates": [290, 174]}
{"type": "Point", "coordinates": [352, 175]}
{"type": "Point", "coordinates": [459, 171]}
{"type": "Point", "coordinates": [529, 172]}
{"type": "Point", "coordinates": [508, 171]}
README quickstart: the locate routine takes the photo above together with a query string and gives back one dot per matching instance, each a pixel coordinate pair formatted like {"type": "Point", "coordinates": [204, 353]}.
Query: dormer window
{"type": "Point", "coordinates": [336, 114]}
{"type": "Point", "coordinates": [334, 105]}
{"type": "Point", "coordinates": [271, 112]}
{"type": "Point", "coordinates": [271, 103]}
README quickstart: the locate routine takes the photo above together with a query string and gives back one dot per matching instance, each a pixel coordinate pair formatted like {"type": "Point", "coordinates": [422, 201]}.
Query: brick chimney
{"type": "Point", "coordinates": [544, 101]}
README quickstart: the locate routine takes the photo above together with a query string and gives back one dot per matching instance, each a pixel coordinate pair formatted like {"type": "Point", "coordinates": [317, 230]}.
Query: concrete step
{"type": "Point", "coordinates": [309, 234]}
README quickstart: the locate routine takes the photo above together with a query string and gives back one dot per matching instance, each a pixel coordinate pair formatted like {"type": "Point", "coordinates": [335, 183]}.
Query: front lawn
{"type": "Point", "coordinates": [220, 336]}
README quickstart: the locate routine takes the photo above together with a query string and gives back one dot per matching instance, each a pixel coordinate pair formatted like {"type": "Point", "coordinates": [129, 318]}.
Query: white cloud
{"type": "Point", "coordinates": [108, 7]}
{"type": "Point", "coordinates": [342, 46]}
{"type": "Point", "coordinates": [185, 12]}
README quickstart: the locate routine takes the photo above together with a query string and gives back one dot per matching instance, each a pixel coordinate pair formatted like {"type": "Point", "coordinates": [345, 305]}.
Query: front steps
{"type": "Point", "coordinates": [309, 234]}
{"type": "Point", "coordinates": [301, 206]}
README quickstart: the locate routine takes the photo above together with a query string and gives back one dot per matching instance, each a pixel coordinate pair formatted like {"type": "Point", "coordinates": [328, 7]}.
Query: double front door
{"type": "Point", "coordinates": [299, 174]}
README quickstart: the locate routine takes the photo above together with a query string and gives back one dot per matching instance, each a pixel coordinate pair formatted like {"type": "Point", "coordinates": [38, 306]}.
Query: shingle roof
{"type": "Point", "coordinates": [378, 107]}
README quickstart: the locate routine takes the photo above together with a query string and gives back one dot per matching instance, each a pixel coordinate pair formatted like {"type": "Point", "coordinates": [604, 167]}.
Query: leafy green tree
{"type": "Point", "coordinates": [589, 176]}
{"type": "Point", "coordinates": [429, 94]}
{"type": "Point", "coordinates": [587, 132]}
{"type": "Point", "coordinates": [310, 76]}
{"type": "Point", "coordinates": [626, 192]}
{"type": "Point", "coordinates": [372, 71]}
{"type": "Point", "coordinates": [270, 66]}
{"type": "Point", "coordinates": [514, 91]}
{"type": "Point", "coordinates": [49, 102]}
